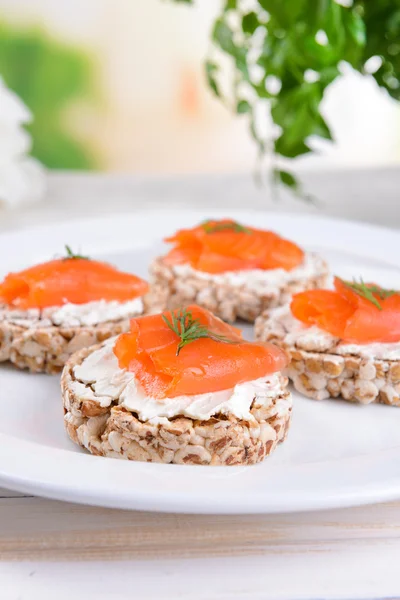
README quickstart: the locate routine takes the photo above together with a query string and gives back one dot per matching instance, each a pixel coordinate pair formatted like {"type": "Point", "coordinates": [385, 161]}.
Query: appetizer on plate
{"type": "Point", "coordinates": [53, 309]}
{"type": "Point", "coordinates": [180, 387]}
{"type": "Point", "coordinates": [232, 270]}
{"type": "Point", "coordinates": [342, 343]}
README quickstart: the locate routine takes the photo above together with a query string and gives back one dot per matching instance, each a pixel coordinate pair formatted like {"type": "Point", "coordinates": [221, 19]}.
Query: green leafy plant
{"type": "Point", "coordinates": [48, 76]}
{"type": "Point", "coordinates": [285, 53]}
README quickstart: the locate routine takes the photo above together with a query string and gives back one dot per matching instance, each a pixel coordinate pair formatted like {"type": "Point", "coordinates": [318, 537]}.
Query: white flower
{"type": "Point", "coordinates": [22, 179]}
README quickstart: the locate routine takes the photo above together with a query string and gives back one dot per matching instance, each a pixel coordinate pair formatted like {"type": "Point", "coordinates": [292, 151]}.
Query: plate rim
{"type": "Point", "coordinates": [311, 496]}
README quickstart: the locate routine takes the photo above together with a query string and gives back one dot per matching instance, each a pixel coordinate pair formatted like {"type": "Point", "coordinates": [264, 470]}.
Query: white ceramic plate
{"type": "Point", "coordinates": [337, 454]}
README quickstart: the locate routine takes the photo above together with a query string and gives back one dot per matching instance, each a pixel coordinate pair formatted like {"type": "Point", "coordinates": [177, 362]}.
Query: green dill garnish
{"type": "Point", "coordinates": [369, 291]}
{"type": "Point", "coordinates": [72, 256]}
{"type": "Point", "coordinates": [189, 330]}
{"type": "Point", "coordinates": [212, 227]}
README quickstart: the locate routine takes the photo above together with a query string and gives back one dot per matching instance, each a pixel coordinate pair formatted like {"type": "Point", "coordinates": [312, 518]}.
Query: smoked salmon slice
{"type": "Point", "coordinates": [69, 280]}
{"type": "Point", "coordinates": [355, 312]}
{"type": "Point", "coordinates": [205, 364]}
{"type": "Point", "coordinates": [221, 246]}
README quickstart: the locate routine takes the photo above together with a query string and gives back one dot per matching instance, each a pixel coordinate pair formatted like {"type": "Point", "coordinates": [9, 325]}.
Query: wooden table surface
{"type": "Point", "coordinates": [57, 551]}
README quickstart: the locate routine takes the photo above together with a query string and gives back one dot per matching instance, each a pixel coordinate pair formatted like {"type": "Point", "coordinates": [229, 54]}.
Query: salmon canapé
{"type": "Point", "coordinates": [181, 387]}
{"type": "Point", "coordinates": [233, 270]}
{"type": "Point", "coordinates": [190, 352]}
{"type": "Point", "coordinates": [360, 313]}
{"type": "Point", "coordinates": [52, 309]}
{"type": "Point", "coordinates": [342, 342]}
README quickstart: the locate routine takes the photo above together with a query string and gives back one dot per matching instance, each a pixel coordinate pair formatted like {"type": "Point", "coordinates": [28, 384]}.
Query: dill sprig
{"type": "Point", "coordinates": [72, 255]}
{"type": "Point", "coordinates": [189, 329]}
{"type": "Point", "coordinates": [369, 291]}
{"type": "Point", "coordinates": [212, 227]}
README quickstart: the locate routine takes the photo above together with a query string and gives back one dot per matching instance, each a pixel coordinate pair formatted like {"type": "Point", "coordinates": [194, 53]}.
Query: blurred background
{"type": "Point", "coordinates": [119, 86]}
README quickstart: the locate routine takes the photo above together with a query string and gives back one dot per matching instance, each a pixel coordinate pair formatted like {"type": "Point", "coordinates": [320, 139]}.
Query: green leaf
{"type": "Point", "coordinates": [284, 11]}
{"type": "Point", "coordinates": [286, 178]}
{"type": "Point", "coordinates": [328, 74]}
{"type": "Point", "coordinates": [241, 64]}
{"type": "Point", "coordinates": [211, 71]}
{"type": "Point", "coordinates": [223, 36]}
{"type": "Point", "coordinates": [356, 27]}
{"type": "Point", "coordinates": [321, 129]}
{"type": "Point", "coordinates": [333, 25]}
{"type": "Point", "coordinates": [355, 38]}
{"type": "Point", "coordinates": [243, 107]}
{"type": "Point", "coordinates": [250, 23]}
{"type": "Point", "coordinates": [297, 113]}
{"type": "Point", "coordinates": [393, 23]}
{"type": "Point", "coordinates": [230, 5]}
{"type": "Point", "coordinates": [288, 150]}
{"type": "Point", "coordinates": [261, 90]}
{"type": "Point", "coordinates": [291, 182]}
{"type": "Point", "coordinates": [291, 111]}
{"type": "Point", "coordinates": [275, 56]}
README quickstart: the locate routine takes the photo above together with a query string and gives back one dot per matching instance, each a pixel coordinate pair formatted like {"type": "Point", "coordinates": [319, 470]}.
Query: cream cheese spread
{"type": "Point", "coordinates": [259, 280]}
{"type": "Point", "coordinates": [96, 312]}
{"type": "Point", "coordinates": [104, 381]}
{"type": "Point", "coordinates": [295, 333]}
{"type": "Point", "coordinates": [74, 315]}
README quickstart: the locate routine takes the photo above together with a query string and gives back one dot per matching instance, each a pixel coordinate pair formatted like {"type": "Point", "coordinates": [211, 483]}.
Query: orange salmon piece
{"type": "Point", "coordinates": [61, 281]}
{"type": "Point", "coordinates": [324, 308]}
{"type": "Point", "coordinates": [231, 249]}
{"type": "Point", "coordinates": [204, 365]}
{"type": "Point", "coordinates": [348, 315]}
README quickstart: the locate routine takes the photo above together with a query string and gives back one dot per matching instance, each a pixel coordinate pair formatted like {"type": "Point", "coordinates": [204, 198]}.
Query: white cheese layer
{"type": "Point", "coordinates": [297, 334]}
{"type": "Point", "coordinates": [106, 382]}
{"type": "Point", "coordinates": [259, 280]}
{"type": "Point", "coordinates": [74, 315]}
{"type": "Point", "coordinates": [376, 350]}
{"type": "Point", "coordinates": [236, 401]}
{"type": "Point", "coordinates": [96, 312]}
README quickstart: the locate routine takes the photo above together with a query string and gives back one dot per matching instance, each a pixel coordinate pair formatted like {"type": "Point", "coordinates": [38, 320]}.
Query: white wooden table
{"type": "Point", "coordinates": [55, 551]}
